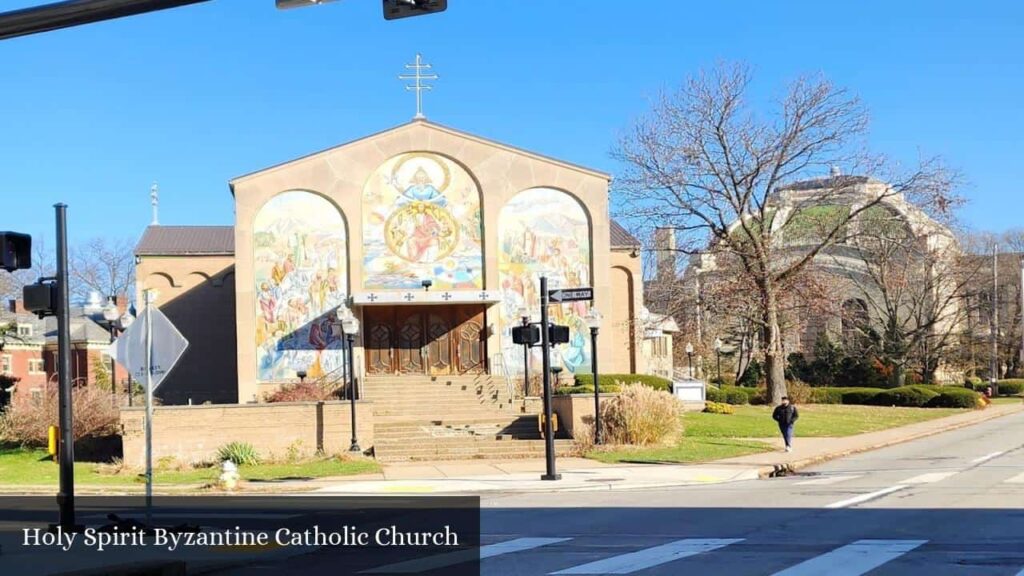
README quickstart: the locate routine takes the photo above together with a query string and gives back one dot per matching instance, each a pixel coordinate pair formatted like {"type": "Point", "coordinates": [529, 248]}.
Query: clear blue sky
{"type": "Point", "coordinates": [194, 96]}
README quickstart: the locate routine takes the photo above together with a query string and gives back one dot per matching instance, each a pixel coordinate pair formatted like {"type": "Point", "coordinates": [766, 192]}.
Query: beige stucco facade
{"type": "Point", "coordinates": [500, 172]}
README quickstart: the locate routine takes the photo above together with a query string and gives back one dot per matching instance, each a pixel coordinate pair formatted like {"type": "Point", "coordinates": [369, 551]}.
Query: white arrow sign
{"type": "Point", "coordinates": [168, 345]}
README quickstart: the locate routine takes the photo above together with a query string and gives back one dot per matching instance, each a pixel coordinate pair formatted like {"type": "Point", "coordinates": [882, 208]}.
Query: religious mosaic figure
{"type": "Point", "coordinates": [544, 232]}
{"type": "Point", "coordinates": [421, 219]}
{"type": "Point", "coordinates": [299, 260]}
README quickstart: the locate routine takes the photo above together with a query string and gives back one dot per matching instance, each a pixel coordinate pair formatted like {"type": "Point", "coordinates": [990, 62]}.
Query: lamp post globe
{"type": "Point", "coordinates": [350, 326]}
{"type": "Point", "coordinates": [112, 316]}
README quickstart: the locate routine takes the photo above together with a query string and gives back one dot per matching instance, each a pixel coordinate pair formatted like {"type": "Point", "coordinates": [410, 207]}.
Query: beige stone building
{"type": "Point", "coordinates": [433, 238]}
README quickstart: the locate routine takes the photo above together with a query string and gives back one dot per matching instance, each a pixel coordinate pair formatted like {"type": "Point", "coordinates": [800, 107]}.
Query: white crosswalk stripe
{"type": "Point", "coordinates": [853, 559]}
{"type": "Point", "coordinates": [929, 478]}
{"type": "Point", "coordinates": [828, 480]}
{"type": "Point", "coordinates": [462, 556]}
{"type": "Point", "coordinates": [650, 557]}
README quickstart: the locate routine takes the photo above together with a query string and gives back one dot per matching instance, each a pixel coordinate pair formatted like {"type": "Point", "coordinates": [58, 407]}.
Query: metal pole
{"type": "Point", "coordinates": [689, 364]}
{"type": "Point", "coordinates": [526, 362]}
{"type": "Point", "coordinates": [994, 363]}
{"type": "Point", "coordinates": [718, 357]}
{"type": "Point", "coordinates": [57, 15]}
{"type": "Point", "coordinates": [66, 495]}
{"type": "Point", "coordinates": [549, 437]}
{"type": "Point", "coordinates": [354, 447]}
{"type": "Point", "coordinates": [149, 407]}
{"type": "Point", "coordinates": [113, 366]}
{"type": "Point", "coordinates": [597, 386]}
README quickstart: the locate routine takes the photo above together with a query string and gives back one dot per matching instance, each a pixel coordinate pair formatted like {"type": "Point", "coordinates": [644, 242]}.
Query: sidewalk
{"type": "Point", "coordinates": [578, 474]}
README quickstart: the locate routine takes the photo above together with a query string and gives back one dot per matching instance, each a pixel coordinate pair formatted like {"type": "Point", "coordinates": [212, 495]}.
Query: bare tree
{"type": "Point", "coordinates": [704, 164]}
{"type": "Point", "coordinates": [103, 265]}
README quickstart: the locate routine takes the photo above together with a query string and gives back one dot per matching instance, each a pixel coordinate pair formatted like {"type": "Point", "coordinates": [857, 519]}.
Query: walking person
{"type": "Point", "coordinates": [786, 415]}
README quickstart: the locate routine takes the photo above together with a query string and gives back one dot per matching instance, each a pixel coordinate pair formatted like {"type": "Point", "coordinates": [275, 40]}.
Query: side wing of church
{"type": "Point", "coordinates": [435, 240]}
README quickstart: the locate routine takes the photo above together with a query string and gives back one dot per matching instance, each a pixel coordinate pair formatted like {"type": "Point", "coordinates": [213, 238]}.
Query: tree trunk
{"type": "Point", "coordinates": [774, 361]}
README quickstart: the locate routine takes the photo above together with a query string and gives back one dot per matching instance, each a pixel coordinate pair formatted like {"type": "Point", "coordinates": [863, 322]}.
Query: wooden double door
{"type": "Point", "coordinates": [436, 340]}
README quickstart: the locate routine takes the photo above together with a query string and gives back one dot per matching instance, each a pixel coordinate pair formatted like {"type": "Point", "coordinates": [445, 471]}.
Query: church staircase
{"type": "Point", "coordinates": [423, 418]}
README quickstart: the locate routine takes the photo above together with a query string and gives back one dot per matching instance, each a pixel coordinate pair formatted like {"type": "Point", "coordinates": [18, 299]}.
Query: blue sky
{"type": "Point", "coordinates": [194, 96]}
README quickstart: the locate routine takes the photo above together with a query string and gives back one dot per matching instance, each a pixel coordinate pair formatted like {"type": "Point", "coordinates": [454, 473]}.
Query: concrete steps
{"type": "Point", "coordinates": [422, 418]}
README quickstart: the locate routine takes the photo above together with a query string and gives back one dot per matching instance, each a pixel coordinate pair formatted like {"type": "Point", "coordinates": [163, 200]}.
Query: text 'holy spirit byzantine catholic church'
{"type": "Point", "coordinates": [435, 239]}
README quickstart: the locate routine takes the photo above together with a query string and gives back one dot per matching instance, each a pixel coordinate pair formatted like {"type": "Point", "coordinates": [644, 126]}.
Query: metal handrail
{"type": "Point", "coordinates": [498, 365]}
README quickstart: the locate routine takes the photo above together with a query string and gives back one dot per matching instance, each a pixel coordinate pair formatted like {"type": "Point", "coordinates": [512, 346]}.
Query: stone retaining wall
{"type": "Point", "coordinates": [194, 433]}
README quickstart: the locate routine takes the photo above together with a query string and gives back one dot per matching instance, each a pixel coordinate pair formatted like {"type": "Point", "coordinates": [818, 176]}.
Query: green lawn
{"type": "Point", "coordinates": [815, 420]}
{"type": "Point", "coordinates": [33, 467]}
{"type": "Point", "coordinates": [709, 437]}
{"type": "Point", "coordinates": [687, 450]}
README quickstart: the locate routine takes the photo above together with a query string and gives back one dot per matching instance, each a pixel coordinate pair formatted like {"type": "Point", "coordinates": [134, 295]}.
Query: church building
{"type": "Point", "coordinates": [434, 239]}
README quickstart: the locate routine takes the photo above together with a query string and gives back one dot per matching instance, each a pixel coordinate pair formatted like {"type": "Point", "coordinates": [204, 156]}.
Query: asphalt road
{"type": "Point", "coordinates": [947, 504]}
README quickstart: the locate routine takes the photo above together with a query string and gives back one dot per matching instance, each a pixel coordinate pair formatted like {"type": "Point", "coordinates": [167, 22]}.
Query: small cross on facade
{"type": "Point", "coordinates": [408, 297]}
{"type": "Point", "coordinates": [372, 297]}
{"type": "Point", "coordinates": [483, 295]}
{"type": "Point", "coordinates": [446, 296]}
{"type": "Point", "coordinates": [420, 72]}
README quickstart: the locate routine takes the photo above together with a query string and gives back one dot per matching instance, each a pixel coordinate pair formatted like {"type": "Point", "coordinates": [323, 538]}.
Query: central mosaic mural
{"type": "Point", "coordinates": [421, 219]}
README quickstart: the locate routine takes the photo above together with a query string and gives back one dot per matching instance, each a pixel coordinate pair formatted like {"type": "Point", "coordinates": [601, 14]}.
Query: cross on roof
{"type": "Point", "coordinates": [418, 75]}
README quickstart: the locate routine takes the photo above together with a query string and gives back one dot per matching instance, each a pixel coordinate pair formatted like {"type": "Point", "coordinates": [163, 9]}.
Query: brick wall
{"type": "Point", "coordinates": [194, 433]}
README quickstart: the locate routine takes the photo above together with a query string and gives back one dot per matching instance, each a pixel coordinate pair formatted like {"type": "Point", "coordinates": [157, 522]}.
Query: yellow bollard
{"type": "Point", "coordinates": [540, 423]}
{"type": "Point", "coordinates": [52, 445]}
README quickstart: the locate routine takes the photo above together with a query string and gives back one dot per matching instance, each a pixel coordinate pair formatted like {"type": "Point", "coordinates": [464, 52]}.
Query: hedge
{"type": "Point", "coordinates": [953, 397]}
{"type": "Point", "coordinates": [718, 408]}
{"type": "Point", "coordinates": [589, 389]}
{"type": "Point", "coordinates": [843, 395]}
{"type": "Point", "coordinates": [612, 380]}
{"type": "Point", "coordinates": [1008, 387]}
{"type": "Point", "coordinates": [916, 396]}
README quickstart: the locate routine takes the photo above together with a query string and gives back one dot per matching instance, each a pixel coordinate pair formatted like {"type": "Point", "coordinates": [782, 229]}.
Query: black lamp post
{"type": "Point", "coordinates": [525, 316]}
{"type": "Point", "coordinates": [593, 320]}
{"type": "Point", "coordinates": [689, 359]}
{"type": "Point", "coordinates": [718, 357]}
{"type": "Point", "coordinates": [116, 322]}
{"type": "Point", "coordinates": [350, 326]}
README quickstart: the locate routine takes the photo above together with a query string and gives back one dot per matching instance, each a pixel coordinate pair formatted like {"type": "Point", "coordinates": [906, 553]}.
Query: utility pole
{"type": "Point", "coordinates": [66, 493]}
{"type": "Point", "coordinates": [58, 15]}
{"type": "Point", "coordinates": [994, 362]}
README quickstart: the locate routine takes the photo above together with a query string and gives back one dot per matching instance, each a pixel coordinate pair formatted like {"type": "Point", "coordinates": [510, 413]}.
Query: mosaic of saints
{"type": "Point", "coordinates": [421, 229]}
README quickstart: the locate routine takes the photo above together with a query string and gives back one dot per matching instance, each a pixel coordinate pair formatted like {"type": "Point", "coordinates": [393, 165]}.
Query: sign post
{"type": "Point", "coordinates": [553, 335]}
{"type": "Point", "coordinates": [149, 350]}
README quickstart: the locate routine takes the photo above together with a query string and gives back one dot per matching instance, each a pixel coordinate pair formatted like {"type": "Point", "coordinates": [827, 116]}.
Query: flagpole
{"type": "Point", "coordinates": [149, 407]}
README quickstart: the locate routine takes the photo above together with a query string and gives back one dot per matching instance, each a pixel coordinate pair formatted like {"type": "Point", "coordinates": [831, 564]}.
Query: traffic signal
{"type": "Point", "coordinates": [528, 335]}
{"type": "Point", "coordinates": [395, 9]}
{"type": "Point", "coordinates": [40, 298]}
{"type": "Point", "coordinates": [558, 334]}
{"type": "Point", "coordinates": [15, 251]}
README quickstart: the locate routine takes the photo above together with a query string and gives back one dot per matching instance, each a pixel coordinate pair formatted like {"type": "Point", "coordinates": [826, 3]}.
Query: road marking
{"type": "Point", "coordinates": [929, 477]}
{"type": "Point", "coordinates": [462, 556]}
{"type": "Point", "coordinates": [647, 558]}
{"type": "Point", "coordinates": [987, 457]}
{"type": "Point", "coordinates": [1018, 479]}
{"type": "Point", "coordinates": [853, 559]}
{"type": "Point", "coordinates": [865, 497]}
{"type": "Point", "coordinates": [827, 480]}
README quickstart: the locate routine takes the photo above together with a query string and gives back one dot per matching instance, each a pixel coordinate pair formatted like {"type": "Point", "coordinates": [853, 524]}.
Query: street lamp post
{"type": "Point", "coordinates": [593, 320]}
{"type": "Point", "coordinates": [718, 358]}
{"type": "Point", "coordinates": [117, 323]}
{"type": "Point", "coordinates": [689, 358]}
{"type": "Point", "coordinates": [524, 314]}
{"type": "Point", "coordinates": [350, 326]}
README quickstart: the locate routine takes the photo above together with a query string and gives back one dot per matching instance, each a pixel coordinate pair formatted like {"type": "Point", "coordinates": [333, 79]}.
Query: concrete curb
{"type": "Point", "coordinates": [776, 470]}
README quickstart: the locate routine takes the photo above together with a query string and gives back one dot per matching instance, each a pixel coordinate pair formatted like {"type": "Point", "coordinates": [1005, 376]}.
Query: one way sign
{"type": "Point", "coordinates": [570, 295]}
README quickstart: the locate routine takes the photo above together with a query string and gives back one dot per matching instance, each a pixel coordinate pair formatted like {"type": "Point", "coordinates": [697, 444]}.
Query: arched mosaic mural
{"type": "Point", "coordinates": [421, 219]}
{"type": "Point", "coordinates": [544, 232]}
{"type": "Point", "coordinates": [300, 264]}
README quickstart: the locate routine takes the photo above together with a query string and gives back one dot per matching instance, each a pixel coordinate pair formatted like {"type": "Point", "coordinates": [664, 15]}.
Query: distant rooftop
{"type": "Point", "coordinates": [839, 181]}
{"type": "Point", "coordinates": [187, 240]}
{"type": "Point", "coordinates": [621, 238]}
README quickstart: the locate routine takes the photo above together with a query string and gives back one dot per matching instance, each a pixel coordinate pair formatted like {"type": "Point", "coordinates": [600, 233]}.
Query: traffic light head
{"type": "Point", "coordinates": [15, 251]}
{"type": "Point", "coordinates": [394, 9]}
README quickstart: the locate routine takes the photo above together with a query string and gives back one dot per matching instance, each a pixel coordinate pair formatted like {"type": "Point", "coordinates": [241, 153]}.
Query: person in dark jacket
{"type": "Point", "coordinates": [786, 415]}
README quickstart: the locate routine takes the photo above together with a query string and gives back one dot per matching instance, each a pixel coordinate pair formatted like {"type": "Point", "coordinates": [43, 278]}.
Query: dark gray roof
{"type": "Point", "coordinates": [184, 240]}
{"type": "Point", "coordinates": [621, 238]}
{"type": "Point", "coordinates": [86, 326]}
